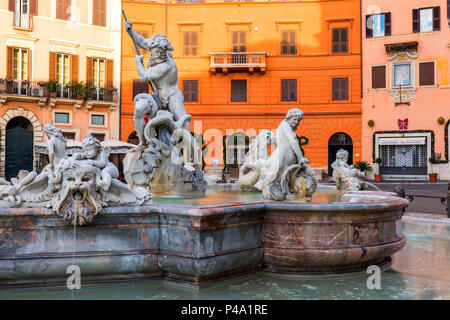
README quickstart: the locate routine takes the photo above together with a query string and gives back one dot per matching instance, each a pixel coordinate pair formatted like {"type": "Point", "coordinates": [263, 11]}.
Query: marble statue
{"type": "Point", "coordinates": [75, 188]}
{"type": "Point", "coordinates": [285, 175]}
{"type": "Point", "coordinates": [255, 160]}
{"type": "Point", "coordinates": [165, 143]}
{"type": "Point", "coordinates": [346, 176]}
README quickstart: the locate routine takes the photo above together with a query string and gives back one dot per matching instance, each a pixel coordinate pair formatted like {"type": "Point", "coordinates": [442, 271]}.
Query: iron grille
{"type": "Point", "coordinates": [412, 156]}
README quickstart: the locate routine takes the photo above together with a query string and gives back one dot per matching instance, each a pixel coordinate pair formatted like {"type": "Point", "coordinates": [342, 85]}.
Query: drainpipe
{"type": "Point", "coordinates": [166, 19]}
{"type": "Point", "coordinates": [360, 44]}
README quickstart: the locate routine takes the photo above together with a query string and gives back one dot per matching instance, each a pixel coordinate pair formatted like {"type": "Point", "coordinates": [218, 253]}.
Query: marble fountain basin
{"type": "Point", "coordinates": [199, 240]}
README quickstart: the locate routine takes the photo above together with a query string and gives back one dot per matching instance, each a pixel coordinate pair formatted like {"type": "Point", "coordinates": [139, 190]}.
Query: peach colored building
{"type": "Point", "coordinates": [406, 86]}
{"type": "Point", "coordinates": [66, 41]}
{"type": "Point", "coordinates": [243, 65]}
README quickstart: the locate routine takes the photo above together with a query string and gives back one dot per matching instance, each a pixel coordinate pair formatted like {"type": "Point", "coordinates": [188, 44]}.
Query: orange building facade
{"type": "Point", "coordinates": [243, 65]}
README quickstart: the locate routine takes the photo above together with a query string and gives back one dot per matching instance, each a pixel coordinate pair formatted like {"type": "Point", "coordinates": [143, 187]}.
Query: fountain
{"type": "Point", "coordinates": [278, 219]}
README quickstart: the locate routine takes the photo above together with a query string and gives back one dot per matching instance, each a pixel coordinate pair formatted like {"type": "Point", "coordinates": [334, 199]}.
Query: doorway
{"type": "Point", "coordinates": [338, 141]}
{"type": "Point", "coordinates": [19, 146]}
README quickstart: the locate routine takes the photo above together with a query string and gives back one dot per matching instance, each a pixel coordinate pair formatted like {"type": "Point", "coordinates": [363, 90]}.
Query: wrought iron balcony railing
{"type": "Point", "coordinates": [245, 61]}
{"type": "Point", "coordinates": [23, 21]}
{"type": "Point", "coordinates": [38, 89]}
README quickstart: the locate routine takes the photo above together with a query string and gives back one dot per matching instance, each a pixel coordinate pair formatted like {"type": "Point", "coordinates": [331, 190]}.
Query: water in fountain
{"type": "Point", "coordinates": [373, 186]}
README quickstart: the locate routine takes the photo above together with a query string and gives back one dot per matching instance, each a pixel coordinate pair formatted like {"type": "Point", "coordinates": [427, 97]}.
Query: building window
{"type": "Point", "coordinates": [99, 136]}
{"type": "Point", "coordinates": [20, 65]}
{"type": "Point", "coordinates": [339, 89]}
{"type": "Point", "coordinates": [190, 43]}
{"type": "Point", "coordinates": [288, 89]}
{"type": "Point", "coordinates": [427, 19]}
{"type": "Point", "coordinates": [99, 72]}
{"type": "Point", "coordinates": [378, 25]}
{"type": "Point", "coordinates": [238, 90]}
{"type": "Point", "coordinates": [63, 9]}
{"type": "Point", "coordinates": [340, 40]}
{"type": "Point", "coordinates": [190, 90]}
{"type": "Point", "coordinates": [426, 74]}
{"type": "Point", "coordinates": [288, 43]}
{"type": "Point", "coordinates": [63, 68]}
{"type": "Point", "coordinates": [62, 117]}
{"type": "Point", "coordinates": [139, 87]}
{"type": "Point", "coordinates": [99, 13]}
{"type": "Point", "coordinates": [69, 135]}
{"type": "Point", "coordinates": [239, 44]}
{"type": "Point", "coordinates": [402, 75]}
{"type": "Point", "coordinates": [239, 41]}
{"type": "Point", "coordinates": [97, 120]}
{"type": "Point", "coordinates": [378, 77]}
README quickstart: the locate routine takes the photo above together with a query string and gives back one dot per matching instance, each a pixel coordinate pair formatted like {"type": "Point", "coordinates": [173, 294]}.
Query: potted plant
{"type": "Point", "coordinates": [378, 176]}
{"type": "Point", "coordinates": [433, 176]}
{"type": "Point", "coordinates": [86, 89]}
{"type": "Point", "coordinates": [42, 83]}
{"type": "Point", "coordinates": [52, 86]}
{"type": "Point", "coordinates": [77, 87]}
{"type": "Point", "coordinates": [363, 166]}
{"type": "Point", "coordinates": [8, 79]}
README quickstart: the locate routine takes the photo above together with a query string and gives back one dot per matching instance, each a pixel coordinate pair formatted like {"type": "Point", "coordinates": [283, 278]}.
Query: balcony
{"type": "Point", "coordinates": [17, 90]}
{"type": "Point", "coordinates": [23, 21]}
{"type": "Point", "coordinates": [238, 62]}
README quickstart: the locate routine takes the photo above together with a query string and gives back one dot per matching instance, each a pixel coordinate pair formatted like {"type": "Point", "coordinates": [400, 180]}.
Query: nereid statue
{"type": "Point", "coordinates": [285, 174]}
{"type": "Point", "coordinates": [77, 187]}
{"type": "Point", "coordinates": [346, 176]}
{"type": "Point", "coordinates": [158, 162]}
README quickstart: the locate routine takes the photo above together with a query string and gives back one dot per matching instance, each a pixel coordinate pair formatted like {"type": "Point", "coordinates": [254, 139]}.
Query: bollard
{"type": "Point", "coordinates": [400, 191]}
{"type": "Point", "coordinates": [448, 201]}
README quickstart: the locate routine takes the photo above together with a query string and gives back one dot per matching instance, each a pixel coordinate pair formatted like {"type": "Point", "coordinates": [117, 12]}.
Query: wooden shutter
{"type": "Point", "coordinates": [29, 78]}
{"type": "Point", "coordinates": [12, 5]}
{"type": "Point", "coordinates": [139, 87]}
{"type": "Point", "coordinates": [238, 90]}
{"type": "Point", "coordinates": [378, 77]}
{"type": "Point", "coordinates": [344, 89]}
{"type": "Point", "coordinates": [109, 73]}
{"type": "Point", "coordinates": [426, 73]}
{"type": "Point", "coordinates": [74, 67]}
{"type": "Point", "coordinates": [387, 24]}
{"type": "Point", "coordinates": [194, 43]}
{"type": "Point", "coordinates": [34, 7]}
{"type": "Point", "coordinates": [288, 90]}
{"type": "Point", "coordinates": [190, 90]}
{"type": "Point", "coordinates": [369, 26]}
{"type": "Point", "coordinates": [436, 18]}
{"type": "Point", "coordinates": [89, 70]}
{"type": "Point", "coordinates": [448, 9]}
{"type": "Point", "coordinates": [9, 61]}
{"type": "Point", "coordinates": [99, 13]}
{"type": "Point", "coordinates": [415, 20]}
{"type": "Point", "coordinates": [340, 89]}
{"type": "Point", "coordinates": [52, 67]}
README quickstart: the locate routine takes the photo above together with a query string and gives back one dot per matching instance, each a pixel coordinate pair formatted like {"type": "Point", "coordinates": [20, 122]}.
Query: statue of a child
{"type": "Point", "coordinates": [93, 154]}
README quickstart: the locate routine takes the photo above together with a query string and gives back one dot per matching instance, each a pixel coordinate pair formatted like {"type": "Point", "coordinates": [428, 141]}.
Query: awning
{"type": "Point", "coordinates": [402, 141]}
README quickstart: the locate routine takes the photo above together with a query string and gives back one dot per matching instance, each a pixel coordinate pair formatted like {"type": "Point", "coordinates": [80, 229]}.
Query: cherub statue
{"type": "Point", "coordinates": [56, 145]}
{"type": "Point", "coordinates": [345, 175]}
{"type": "Point", "coordinates": [94, 155]}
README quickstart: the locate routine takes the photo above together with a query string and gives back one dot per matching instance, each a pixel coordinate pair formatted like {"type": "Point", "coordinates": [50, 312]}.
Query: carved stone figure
{"type": "Point", "coordinates": [255, 160]}
{"type": "Point", "coordinates": [285, 174]}
{"type": "Point", "coordinates": [158, 163]}
{"type": "Point", "coordinates": [75, 188]}
{"type": "Point", "coordinates": [163, 73]}
{"type": "Point", "coordinates": [346, 176]}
